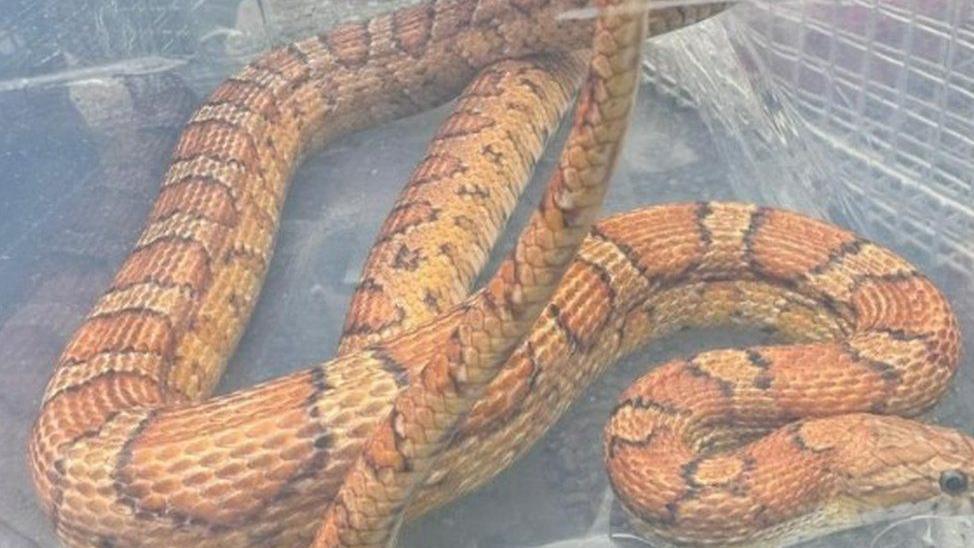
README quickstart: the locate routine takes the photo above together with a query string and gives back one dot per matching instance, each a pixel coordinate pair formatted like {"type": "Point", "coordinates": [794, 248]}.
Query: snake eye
{"type": "Point", "coordinates": [953, 482]}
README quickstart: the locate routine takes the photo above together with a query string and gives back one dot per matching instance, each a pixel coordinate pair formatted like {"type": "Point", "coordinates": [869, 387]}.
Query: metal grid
{"type": "Point", "coordinates": [891, 85]}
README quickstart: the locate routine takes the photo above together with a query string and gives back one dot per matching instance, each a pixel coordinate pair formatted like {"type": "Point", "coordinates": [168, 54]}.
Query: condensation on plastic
{"type": "Point", "coordinates": [855, 111]}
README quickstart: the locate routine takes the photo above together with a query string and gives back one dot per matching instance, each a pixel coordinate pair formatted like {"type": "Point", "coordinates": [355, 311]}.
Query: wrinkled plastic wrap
{"type": "Point", "coordinates": [860, 112]}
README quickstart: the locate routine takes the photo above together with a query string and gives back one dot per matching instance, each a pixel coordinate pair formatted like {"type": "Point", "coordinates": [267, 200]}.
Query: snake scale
{"type": "Point", "coordinates": [130, 448]}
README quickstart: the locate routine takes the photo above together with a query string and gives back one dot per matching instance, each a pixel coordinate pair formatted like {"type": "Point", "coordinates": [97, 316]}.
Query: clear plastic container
{"type": "Point", "coordinates": [858, 111]}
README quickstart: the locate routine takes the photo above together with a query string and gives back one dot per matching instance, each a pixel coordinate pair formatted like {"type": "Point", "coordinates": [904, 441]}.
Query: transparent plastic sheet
{"type": "Point", "coordinates": [859, 112]}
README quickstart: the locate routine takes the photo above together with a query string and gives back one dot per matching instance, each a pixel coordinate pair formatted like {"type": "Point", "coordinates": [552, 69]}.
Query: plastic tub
{"type": "Point", "coordinates": [859, 112]}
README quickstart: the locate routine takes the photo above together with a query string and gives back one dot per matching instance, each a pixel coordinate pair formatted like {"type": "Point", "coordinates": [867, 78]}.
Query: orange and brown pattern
{"type": "Point", "coordinates": [483, 330]}
{"type": "Point", "coordinates": [447, 218]}
{"type": "Point", "coordinates": [874, 336]}
{"type": "Point", "coordinates": [130, 448]}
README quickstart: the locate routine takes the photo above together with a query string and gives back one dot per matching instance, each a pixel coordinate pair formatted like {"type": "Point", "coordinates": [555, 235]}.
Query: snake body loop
{"type": "Point", "coordinates": [130, 448]}
{"type": "Point", "coordinates": [485, 328]}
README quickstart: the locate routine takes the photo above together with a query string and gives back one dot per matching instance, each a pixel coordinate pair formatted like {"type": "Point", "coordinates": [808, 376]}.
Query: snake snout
{"type": "Point", "coordinates": [956, 479]}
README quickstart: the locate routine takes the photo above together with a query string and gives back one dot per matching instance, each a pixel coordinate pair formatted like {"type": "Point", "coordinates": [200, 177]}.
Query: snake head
{"type": "Point", "coordinates": [898, 466]}
{"type": "Point", "coordinates": [955, 474]}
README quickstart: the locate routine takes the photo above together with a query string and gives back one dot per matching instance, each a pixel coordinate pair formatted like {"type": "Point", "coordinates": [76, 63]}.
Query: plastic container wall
{"type": "Point", "coordinates": [860, 112]}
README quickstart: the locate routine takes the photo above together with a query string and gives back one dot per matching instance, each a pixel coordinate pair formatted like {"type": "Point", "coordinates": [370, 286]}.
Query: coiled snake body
{"type": "Point", "coordinates": [129, 447]}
